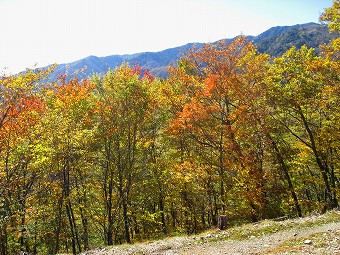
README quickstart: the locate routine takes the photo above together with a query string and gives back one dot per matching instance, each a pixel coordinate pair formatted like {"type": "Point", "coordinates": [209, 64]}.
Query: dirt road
{"type": "Point", "coordinates": [281, 242]}
{"type": "Point", "coordinates": [310, 235]}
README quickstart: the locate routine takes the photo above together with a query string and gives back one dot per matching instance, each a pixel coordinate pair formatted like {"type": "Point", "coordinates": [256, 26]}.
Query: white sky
{"type": "Point", "coordinates": [43, 32]}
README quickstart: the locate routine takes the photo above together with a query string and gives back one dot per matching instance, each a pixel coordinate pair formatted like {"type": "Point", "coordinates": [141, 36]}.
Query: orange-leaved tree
{"type": "Point", "coordinates": [220, 118]}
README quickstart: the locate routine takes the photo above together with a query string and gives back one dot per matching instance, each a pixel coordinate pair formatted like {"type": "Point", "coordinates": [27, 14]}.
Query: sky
{"type": "Point", "coordinates": [42, 32]}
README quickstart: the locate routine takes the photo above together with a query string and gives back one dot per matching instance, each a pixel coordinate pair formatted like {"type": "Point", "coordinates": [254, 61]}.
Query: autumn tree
{"type": "Point", "coordinates": [299, 82]}
{"type": "Point", "coordinates": [224, 83]}
{"type": "Point", "coordinates": [124, 156]}
{"type": "Point", "coordinates": [68, 139]}
{"type": "Point", "coordinates": [124, 110]}
{"type": "Point", "coordinates": [331, 15]}
{"type": "Point", "coordinates": [21, 108]}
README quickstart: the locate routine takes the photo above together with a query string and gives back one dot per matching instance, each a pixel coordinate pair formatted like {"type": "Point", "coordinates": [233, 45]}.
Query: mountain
{"type": "Point", "coordinates": [274, 41]}
{"type": "Point", "coordinates": [277, 40]}
{"type": "Point", "coordinates": [156, 62]}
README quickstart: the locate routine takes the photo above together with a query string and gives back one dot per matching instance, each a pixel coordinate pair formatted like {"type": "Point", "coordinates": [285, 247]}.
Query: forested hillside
{"type": "Point", "coordinates": [126, 156]}
{"type": "Point", "coordinates": [277, 40]}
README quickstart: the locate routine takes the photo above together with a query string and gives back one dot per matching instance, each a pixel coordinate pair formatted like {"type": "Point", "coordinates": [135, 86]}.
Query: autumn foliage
{"type": "Point", "coordinates": [124, 156]}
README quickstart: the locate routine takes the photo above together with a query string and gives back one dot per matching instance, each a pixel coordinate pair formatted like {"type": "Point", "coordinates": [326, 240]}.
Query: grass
{"type": "Point", "coordinates": [266, 227]}
{"type": "Point", "coordinates": [318, 241]}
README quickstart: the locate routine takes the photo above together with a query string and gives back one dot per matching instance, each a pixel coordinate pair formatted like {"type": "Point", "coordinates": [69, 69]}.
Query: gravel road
{"type": "Point", "coordinates": [268, 244]}
{"type": "Point", "coordinates": [296, 236]}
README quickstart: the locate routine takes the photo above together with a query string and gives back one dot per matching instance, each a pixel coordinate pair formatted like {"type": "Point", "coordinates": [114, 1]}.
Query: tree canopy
{"type": "Point", "coordinates": [125, 157]}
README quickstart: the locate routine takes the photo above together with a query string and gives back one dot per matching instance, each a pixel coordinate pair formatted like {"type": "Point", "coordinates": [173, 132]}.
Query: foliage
{"type": "Point", "coordinates": [125, 157]}
{"type": "Point", "coordinates": [332, 16]}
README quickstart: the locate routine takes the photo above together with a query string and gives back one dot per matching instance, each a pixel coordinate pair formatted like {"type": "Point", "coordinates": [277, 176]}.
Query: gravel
{"type": "Point", "coordinates": [308, 235]}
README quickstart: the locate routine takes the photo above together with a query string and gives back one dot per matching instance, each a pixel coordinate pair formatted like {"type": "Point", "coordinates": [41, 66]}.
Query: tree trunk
{"type": "Point", "coordinates": [222, 222]}
{"type": "Point", "coordinates": [284, 168]}
{"type": "Point", "coordinates": [330, 197]}
{"type": "Point", "coordinates": [85, 228]}
{"type": "Point", "coordinates": [108, 192]}
{"type": "Point", "coordinates": [3, 240]}
{"type": "Point", "coordinates": [58, 220]}
{"type": "Point", "coordinates": [74, 250]}
{"type": "Point", "coordinates": [75, 228]}
{"type": "Point", "coordinates": [126, 220]}
{"type": "Point", "coordinates": [161, 208]}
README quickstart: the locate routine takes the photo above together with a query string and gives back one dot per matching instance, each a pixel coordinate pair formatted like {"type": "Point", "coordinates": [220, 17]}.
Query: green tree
{"type": "Point", "coordinates": [297, 87]}
{"type": "Point", "coordinates": [124, 110]}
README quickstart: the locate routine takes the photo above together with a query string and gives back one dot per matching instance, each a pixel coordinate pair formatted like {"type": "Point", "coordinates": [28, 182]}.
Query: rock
{"type": "Point", "coordinates": [308, 241]}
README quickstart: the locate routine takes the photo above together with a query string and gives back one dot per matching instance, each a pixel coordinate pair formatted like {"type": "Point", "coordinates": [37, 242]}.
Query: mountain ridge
{"type": "Point", "coordinates": [274, 41]}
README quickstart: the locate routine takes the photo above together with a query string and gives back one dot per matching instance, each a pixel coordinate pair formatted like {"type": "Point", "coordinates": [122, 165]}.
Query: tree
{"type": "Point", "coordinates": [299, 82]}
{"type": "Point", "coordinates": [332, 16]}
{"type": "Point", "coordinates": [124, 109]}
{"type": "Point", "coordinates": [222, 81]}
{"type": "Point", "coordinates": [20, 109]}
{"type": "Point", "coordinates": [68, 138]}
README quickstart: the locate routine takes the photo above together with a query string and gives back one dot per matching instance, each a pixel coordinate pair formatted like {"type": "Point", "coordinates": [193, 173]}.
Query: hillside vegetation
{"type": "Point", "coordinates": [126, 157]}
{"type": "Point", "coordinates": [277, 40]}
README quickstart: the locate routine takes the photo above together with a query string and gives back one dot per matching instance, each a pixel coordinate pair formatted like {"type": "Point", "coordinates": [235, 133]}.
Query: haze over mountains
{"type": "Point", "coordinates": [274, 41]}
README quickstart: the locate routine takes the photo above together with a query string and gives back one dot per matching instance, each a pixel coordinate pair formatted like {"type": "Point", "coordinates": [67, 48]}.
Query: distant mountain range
{"type": "Point", "coordinates": [274, 41]}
